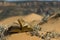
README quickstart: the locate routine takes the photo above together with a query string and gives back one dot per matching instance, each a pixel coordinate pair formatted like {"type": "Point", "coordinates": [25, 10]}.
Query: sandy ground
{"type": "Point", "coordinates": [51, 25]}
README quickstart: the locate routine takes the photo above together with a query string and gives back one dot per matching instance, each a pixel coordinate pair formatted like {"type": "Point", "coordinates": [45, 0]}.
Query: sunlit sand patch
{"type": "Point", "coordinates": [28, 18]}
{"type": "Point", "coordinates": [22, 36]}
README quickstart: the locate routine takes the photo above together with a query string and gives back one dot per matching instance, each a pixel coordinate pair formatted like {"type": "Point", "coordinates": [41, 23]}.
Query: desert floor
{"type": "Point", "coordinates": [51, 25]}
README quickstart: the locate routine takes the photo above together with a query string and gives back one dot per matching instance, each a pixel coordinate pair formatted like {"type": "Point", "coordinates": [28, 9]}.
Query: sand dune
{"type": "Point", "coordinates": [51, 25]}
